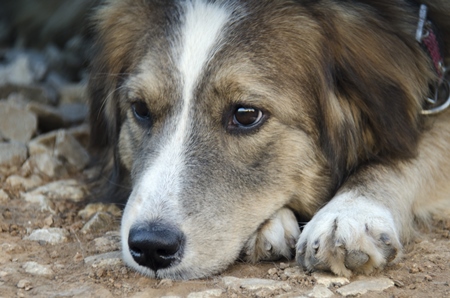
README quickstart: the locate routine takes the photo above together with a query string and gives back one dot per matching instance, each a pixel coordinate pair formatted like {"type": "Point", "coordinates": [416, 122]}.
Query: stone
{"type": "Point", "coordinates": [16, 181]}
{"type": "Point", "coordinates": [39, 199]}
{"type": "Point", "coordinates": [12, 154]}
{"type": "Point", "coordinates": [294, 272]}
{"type": "Point", "coordinates": [73, 113]}
{"type": "Point", "coordinates": [24, 284]}
{"type": "Point", "coordinates": [68, 148]}
{"type": "Point", "coordinates": [320, 291]}
{"type": "Point", "coordinates": [43, 143]}
{"type": "Point", "coordinates": [17, 124]}
{"type": "Point", "coordinates": [109, 242]}
{"type": "Point", "coordinates": [361, 287]}
{"type": "Point", "coordinates": [48, 235]}
{"type": "Point", "coordinates": [329, 280]}
{"type": "Point", "coordinates": [38, 93]}
{"type": "Point", "coordinates": [72, 93]}
{"type": "Point", "coordinates": [81, 133]}
{"type": "Point", "coordinates": [254, 284]}
{"type": "Point", "coordinates": [34, 268]}
{"type": "Point", "coordinates": [18, 72]}
{"type": "Point", "coordinates": [105, 260]}
{"type": "Point", "coordinates": [93, 208]}
{"type": "Point", "coordinates": [69, 189]}
{"type": "Point", "coordinates": [4, 197]}
{"type": "Point", "coordinates": [48, 165]}
{"type": "Point", "coordinates": [206, 294]}
{"type": "Point", "coordinates": [49, 118]}
{"type": "Point", "coordinates": [100, 221]}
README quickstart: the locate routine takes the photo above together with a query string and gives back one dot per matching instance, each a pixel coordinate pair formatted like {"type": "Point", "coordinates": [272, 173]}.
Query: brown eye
{"type": "Point", "coordinates": [247, 117]}
{"type": "Point", "coordinates": [244, 120]}
{"type": "Point", "coordinates": [141, 111]}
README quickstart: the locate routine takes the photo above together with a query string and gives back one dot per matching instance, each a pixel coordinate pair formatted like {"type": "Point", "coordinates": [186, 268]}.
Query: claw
{"type": "Point", "coordinates": [355, 259]}
{"type": "Point", "coordinates": [315, 245]}
{"type": "Point", "coordinates": [386, 239]}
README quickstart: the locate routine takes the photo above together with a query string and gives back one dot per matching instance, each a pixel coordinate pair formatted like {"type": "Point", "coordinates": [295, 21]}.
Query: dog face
{"type": "Point", "coordinates": [224, 112]}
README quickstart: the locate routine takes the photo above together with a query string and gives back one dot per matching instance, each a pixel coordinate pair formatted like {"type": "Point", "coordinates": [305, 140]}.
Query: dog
{"type": "Point", "coordinates": [226, 125]}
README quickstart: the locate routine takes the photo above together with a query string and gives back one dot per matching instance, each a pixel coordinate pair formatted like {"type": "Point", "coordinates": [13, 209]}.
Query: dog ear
{"type": "Point", "coordinates": [117, 29]}
{"type": "Point", "coordinates": [377, 79]}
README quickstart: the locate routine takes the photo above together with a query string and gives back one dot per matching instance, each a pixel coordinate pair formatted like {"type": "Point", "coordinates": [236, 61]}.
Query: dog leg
{"type": "Point", "coordinates": [276, 238]}
{"type": "Point", "coordinates": [361, 229]}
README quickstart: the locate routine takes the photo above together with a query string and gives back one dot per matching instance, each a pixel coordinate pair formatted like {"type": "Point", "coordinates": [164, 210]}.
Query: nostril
{"type": "Point", "coordinates": [156, 245]}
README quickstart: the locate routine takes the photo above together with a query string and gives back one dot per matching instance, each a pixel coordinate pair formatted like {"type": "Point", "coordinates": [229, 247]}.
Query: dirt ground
{"type": "Point", "coordinates": [423, 272]}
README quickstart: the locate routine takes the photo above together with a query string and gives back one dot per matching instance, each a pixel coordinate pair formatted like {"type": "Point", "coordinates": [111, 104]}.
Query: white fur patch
{"type": "Point", "coordinates": [348, 223]}
{"type": "Point", "coordinates": [156, 193]}
{"type": "Point", "coordinates": [275, 239]}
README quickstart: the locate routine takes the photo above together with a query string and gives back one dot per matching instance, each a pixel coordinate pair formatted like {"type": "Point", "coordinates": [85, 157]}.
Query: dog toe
{"type": "Point", "coordinates": [276, 238]}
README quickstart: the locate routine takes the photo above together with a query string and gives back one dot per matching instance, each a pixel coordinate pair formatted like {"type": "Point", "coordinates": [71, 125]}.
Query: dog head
{"type": "Point", "coordinates": [223, 112]}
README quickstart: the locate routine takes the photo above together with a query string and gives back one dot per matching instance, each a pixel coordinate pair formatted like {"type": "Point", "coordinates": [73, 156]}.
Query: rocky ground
{"type": "Point", "coordinates": [54, 244]}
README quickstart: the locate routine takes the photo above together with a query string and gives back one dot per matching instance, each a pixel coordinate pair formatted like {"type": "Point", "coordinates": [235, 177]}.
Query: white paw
{"type": "Point", "coordinates": [351, 234]}
{"type": "Point", "coordinates": [276, 238]}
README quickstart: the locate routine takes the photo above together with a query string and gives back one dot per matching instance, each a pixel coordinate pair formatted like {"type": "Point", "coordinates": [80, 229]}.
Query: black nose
{"type": "Point", "coordinates": [156, 245]}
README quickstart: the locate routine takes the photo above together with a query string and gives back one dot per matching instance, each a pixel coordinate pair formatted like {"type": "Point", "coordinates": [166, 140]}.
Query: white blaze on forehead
{"type": "Point", "coordinates": [200, 40]}
{"type": "Point", "coordinates": [156, 192]}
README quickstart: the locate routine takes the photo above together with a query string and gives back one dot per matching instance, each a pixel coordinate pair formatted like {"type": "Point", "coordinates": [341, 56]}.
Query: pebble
{"type": "Point", "coordinates": [254, 284]}
{"type": "Point", "coordinates": [24, 284]}
{"type": "Point", "coordinates": [48, 165]}
{"type": "Point", "coordinates": [95, 259]}
{"type": "Point", "coordinates": [329, 280]}
{"type": "Point", "coordinates": [73, 113]}
{"type": "Point", "coordinates": [49, 118]}
{"type": "Point", "coordinates": [93, 208]}
{"type": "Point", "coordinates": [17, 72]}
{"type": "Point", "coordinates": [100, 221]}
{"type": "Point", "coordinates": [294, 272]}
{"type": "Point", "coordinates": [4, 197]}
{"type": "Point", "coordinates": [206, 294]}
{"type": "Point", "coordinates": [68, 148]}
{"type": "Point", "coordinates": [48, 235]}
{"type": "Point", "coordinates": [39, 199]}
{"type": "Point", "coordinates": [43, 143]}
{"type": "Point", "coordinates": [69, 189]}
{"type": "Point", "coordinates": [38, 269]}
{"type": "Point", "coordinates": [109, 242]}
{"type": "Point", "coordinates": [12, 154]}
{"type": "Point", "coordinates": [361, 287]}
{"type": "Point", "coordinates": [16, 181]}
{"type": "Point", "coordinates": [16, 124]}
{"type": "Point", "coordinates": [320, 291]}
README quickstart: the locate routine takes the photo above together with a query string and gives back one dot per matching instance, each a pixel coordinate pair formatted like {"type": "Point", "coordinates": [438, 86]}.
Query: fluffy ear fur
{"type": "Point", "coordinates": [119, 34]}
{"type": "Point", "coordinates": [377, 79]}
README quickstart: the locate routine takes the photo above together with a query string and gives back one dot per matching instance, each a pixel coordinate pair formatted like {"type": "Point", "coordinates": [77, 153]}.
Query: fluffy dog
{"type": "Point", "coordinates": [225, 123]}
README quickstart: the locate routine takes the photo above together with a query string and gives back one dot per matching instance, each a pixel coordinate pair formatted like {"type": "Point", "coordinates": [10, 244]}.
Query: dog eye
{"type": "Point", "coordinates": [245, 119]}
{"type": "Point", "coordinates": [141, 111]}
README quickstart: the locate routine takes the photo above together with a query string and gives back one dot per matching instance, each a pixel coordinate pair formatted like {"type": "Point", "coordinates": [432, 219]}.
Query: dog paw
{"type": "Point", "coordinates": [276, 238]}
{"type": "Point", "coordinates": [350, 234]}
